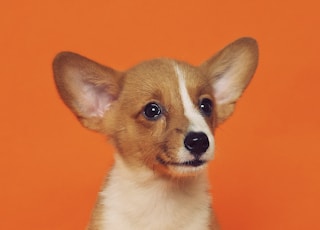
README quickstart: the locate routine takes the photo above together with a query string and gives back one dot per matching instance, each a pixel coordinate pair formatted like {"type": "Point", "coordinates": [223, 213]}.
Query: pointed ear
{"type": "Point", "coordinates": [229, 72]}
{"type": "Point", "coordinates": [86, 87]}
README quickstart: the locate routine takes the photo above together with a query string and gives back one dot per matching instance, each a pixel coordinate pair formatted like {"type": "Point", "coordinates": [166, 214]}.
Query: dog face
{"type": "Point", "coordinates": [163, 118]}
{"type": "Point", "coordinates": [161, 113]}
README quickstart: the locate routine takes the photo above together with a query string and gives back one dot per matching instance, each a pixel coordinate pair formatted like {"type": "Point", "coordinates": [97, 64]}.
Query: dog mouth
{"type": "Point", "coordinates": [191, 163]}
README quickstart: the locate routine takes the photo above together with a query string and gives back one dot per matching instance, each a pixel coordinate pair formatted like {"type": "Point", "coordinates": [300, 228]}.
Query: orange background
{"type": "Point", "coordinates": [266, 174]}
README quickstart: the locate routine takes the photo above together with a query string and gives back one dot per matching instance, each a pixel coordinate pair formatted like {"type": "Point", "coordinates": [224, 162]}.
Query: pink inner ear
{"type": "Point", "coordinates": [95, 100]}
{"type": "Point", "coordinates": [226, 89]}
{"type": "Point", "coordinates": [220, 90]}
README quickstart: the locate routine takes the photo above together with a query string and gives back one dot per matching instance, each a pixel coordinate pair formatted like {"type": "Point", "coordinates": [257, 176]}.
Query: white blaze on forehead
{"type": "Point", "coordinates": [197, 122]}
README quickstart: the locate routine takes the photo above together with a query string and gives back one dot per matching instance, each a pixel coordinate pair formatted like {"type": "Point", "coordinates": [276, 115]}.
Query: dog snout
{"type": "Point", "coordinates": [196, 143]}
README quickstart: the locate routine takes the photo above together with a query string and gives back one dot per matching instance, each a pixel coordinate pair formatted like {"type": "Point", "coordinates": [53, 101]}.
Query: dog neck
{"type": "Point", "coordinates": [142, 197]}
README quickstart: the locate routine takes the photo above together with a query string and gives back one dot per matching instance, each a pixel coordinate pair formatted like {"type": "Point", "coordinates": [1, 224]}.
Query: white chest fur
{"type": "Point", "coordinates": [139, 201]}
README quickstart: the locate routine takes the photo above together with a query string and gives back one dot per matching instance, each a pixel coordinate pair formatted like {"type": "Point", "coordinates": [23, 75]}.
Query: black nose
{"type": "Point", "coordinates": [197, 143]}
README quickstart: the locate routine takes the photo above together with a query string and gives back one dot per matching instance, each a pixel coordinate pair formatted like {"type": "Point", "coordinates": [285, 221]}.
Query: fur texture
{"type": "Point", "coordinates": [161, 116]}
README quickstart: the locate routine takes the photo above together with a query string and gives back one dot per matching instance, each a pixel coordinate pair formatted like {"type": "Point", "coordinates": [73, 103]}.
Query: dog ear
{"type": "Point", "coordinates": [86, 87]}
{"type": "Point", "coordinates": [230, 71]}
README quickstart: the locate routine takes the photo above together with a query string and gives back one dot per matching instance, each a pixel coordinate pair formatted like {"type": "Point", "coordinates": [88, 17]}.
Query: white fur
{"type": "Point", "coordinates": [196, 120]}
{"type": "Point", "coordinates": [141, 200]}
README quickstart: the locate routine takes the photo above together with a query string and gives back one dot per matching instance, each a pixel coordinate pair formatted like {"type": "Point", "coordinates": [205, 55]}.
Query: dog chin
{"type": "Point", "coordinates": [185, 168]}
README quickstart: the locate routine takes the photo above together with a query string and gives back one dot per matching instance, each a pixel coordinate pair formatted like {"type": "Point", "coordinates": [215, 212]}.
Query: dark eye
{"type": "Point", "coordinates": [152, 111]}
{"type": "Point", "coordinates": [206, 106]}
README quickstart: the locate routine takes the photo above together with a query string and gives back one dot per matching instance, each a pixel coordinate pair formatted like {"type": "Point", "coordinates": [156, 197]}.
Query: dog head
{"type": "Point", "coordinates": [161, 113]}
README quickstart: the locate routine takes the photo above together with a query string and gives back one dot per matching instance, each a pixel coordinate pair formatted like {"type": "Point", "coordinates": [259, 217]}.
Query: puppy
{"type": "Point", "coordinates": [161, 116]}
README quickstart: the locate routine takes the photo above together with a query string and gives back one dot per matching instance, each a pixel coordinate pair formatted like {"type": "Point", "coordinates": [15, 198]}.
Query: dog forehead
{"type": "Point", "coordinates": [153, 73]}
{"type": "Point", "coordinates": [159, 77]}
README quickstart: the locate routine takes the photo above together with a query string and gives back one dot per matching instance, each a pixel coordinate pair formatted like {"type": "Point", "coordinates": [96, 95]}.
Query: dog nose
{"type": "Point", "coordinates": [197, 143]}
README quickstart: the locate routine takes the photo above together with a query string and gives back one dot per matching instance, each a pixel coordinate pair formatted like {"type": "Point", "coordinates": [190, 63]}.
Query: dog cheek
{"type": "Point", "coordinates": [153, 141]}
{"type": "Point", "coordinates": [136, 142]}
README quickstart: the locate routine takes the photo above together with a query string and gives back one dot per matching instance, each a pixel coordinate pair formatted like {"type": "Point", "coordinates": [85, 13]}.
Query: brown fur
{"type": "Point", "coordinates": [112, 102]}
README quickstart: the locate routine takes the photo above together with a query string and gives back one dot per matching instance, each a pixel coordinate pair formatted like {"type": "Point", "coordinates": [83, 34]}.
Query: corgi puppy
{"type": "Point", "coordinates": [161, 116]}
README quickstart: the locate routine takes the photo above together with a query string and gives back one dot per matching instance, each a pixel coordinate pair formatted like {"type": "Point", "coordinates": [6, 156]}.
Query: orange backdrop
{"type": "Point", "coordinates": [266, 174]}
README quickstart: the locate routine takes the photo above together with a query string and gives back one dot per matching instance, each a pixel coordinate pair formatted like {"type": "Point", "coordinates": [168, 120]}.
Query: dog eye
{"type": "Point", "coordinates": [205, 106]}
{"type": "Point", "coordinates": [152, 111]}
